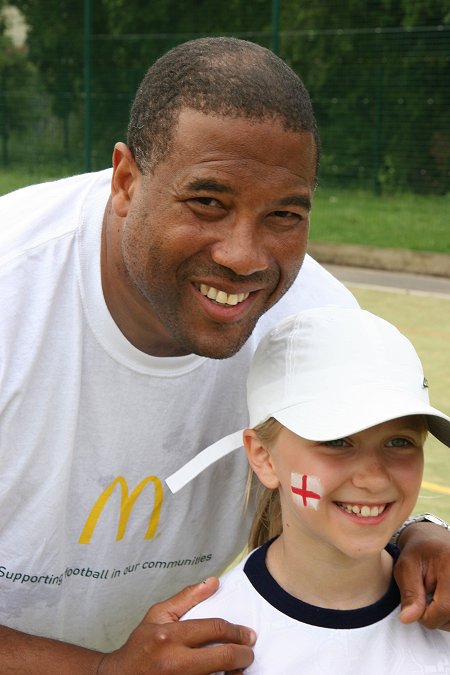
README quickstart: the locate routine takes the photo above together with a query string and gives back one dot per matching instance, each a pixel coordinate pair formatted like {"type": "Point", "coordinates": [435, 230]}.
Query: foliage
{"type": "Point", "coordinates": [380, 89]}
{"type": "Point", "coordinates": [125, 40]}
{"type": "Point", "coordinates": [377, 73]}
{"type": "Point", "coordinates": [18, 79]}
{"type": "Point", "coordinates": [55, 43]}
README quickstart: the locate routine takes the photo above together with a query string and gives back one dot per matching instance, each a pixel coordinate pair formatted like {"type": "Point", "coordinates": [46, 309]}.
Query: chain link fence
{"type": "Point", "coordinates": [381, 96]}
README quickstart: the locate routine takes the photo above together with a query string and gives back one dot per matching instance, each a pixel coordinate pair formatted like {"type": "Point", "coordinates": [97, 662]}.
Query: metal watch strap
{"type": "Point", "coordinates": [422, 518]}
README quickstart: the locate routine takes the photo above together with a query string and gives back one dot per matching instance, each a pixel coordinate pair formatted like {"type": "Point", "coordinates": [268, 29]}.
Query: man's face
{"type": "Point", "coordinates": [217, 234]}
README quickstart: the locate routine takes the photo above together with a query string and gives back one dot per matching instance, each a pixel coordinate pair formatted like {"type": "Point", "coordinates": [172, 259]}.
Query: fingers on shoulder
{"type": "Point", "coordinates": [203, 646]}
{"type": "Point", "coordinates": [233, 632]}
{"type": "Point", "coordinates": [216, 631]}
{"type": "Point", "coordinates": [437, 613]}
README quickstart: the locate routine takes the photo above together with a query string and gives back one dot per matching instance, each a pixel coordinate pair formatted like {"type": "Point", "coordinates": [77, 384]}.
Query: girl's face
{"type": "Point", "coordinates": [350, 494]}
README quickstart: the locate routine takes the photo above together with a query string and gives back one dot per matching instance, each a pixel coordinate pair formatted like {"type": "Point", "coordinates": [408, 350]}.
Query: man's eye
{"type": "Point", "coordinates": [207, 201]}
{"type": "Point", "coordinates": [287, 214]}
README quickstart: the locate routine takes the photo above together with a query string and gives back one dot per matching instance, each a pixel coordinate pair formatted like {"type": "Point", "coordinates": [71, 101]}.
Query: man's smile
{"type": "Point", "coordinates": [221, 297]}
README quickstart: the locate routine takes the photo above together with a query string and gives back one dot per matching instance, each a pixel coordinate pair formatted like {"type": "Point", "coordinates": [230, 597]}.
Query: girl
{"type": "Point", "coordinates": [339, 414]}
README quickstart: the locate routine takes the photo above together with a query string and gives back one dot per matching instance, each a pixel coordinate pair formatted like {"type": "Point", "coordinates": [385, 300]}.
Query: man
{"type": "Point", "coordinates": [131, 307]}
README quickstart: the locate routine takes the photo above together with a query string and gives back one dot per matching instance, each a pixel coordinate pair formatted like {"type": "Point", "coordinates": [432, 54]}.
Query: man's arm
{"type": "Point", "coordinates": [26, 654]}
{"type": "Point", "coordinates": [422, 571]}
{"type": "Point", "coordinates": [160, 644]}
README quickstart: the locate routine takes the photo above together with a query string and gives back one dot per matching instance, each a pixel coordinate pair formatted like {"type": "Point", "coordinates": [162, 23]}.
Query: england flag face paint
{"type": "Point", "coordinates": [306, 490]}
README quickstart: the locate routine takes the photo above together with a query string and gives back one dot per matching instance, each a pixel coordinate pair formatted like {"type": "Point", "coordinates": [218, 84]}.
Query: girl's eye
{"type": "Point", "coordinates": [398, 443]}
{"type": "Point", "coordinates": [337, 443]}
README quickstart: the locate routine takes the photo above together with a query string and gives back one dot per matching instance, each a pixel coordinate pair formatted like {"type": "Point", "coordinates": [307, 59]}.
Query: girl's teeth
{"type": "Point", "coordinates": [362, 511]}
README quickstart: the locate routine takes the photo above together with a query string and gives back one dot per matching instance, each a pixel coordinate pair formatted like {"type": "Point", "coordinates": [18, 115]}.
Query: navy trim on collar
{"type": "Point", "coordinates": [256, 570]}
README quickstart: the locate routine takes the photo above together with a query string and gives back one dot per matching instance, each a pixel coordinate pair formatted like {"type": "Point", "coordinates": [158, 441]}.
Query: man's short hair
{"type": "Point", "coordinates": [222, 76]}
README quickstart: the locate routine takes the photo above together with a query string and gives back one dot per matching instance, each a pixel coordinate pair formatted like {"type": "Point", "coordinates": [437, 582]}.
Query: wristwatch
{"type": "Point", "coordinates": [422, 518]}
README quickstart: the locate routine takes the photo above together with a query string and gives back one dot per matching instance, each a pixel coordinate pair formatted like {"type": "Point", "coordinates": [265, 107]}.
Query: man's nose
{"type": "Point", "coordinates": [241, 249]}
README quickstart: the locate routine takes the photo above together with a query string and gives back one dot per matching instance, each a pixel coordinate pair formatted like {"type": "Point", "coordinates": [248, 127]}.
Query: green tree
{"type": "Point", "coordinates": [378, 76]}
{"type": "Point", "coordinates": [17, 80]}
{"type": "Point", "coordinates": [126, 39]}
{"type": "Point", "coordinates": [377, 72]}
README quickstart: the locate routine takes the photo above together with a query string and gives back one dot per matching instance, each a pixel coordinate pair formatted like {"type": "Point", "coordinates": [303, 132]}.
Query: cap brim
{"type": "Point", "coordinates": [340, 416]}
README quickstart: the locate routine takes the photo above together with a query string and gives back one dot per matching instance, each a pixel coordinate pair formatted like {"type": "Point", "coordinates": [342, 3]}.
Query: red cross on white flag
{"type": "Point", "coordinates": [307, 490]}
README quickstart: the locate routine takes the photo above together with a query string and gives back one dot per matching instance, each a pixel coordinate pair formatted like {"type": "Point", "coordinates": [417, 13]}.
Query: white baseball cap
{"type": "Point", "coordinates": [325, 374]}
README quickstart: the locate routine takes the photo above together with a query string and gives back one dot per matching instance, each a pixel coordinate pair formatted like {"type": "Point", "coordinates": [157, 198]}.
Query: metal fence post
{"type": "Point", "coordinates": [378, 130]}
{"type": "Point", "coordinates": [87, 85]}
{"type": "Point", "coordinates": [276, 26]}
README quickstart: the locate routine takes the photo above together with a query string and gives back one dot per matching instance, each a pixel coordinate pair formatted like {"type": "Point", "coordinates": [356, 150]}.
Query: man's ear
{"type": "Point", "coordinates": [125, 179]}
{"type": "Point", "coordinates": [260, 459]}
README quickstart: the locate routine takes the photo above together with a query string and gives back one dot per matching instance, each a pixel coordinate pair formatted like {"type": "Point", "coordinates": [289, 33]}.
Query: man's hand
{"type": "Point", "coordinates": [423, 569]}
{"type": "Point", "coordinates": [162, 644]}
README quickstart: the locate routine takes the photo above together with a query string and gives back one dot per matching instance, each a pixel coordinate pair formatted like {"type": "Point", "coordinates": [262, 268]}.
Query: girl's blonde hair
{"type": "Point", "coordinates": [267, 521]}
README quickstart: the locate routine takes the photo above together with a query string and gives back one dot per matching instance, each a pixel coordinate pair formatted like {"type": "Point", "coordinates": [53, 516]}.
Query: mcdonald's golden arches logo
{"type": "Point", "coordinates": [127, 501]}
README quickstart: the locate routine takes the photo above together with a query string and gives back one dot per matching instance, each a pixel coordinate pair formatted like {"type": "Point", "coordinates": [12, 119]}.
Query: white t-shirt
{"type": "Point", "coordinates": [90, 536]}
{"type": "Point", "coordinates": [294, 637]}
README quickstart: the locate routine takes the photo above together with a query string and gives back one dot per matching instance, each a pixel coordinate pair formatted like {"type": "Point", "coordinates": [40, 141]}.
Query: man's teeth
{"type": "Point", "coordinates": [362, 511]}
{"type": "Point", "coordinates": [221, 297]}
